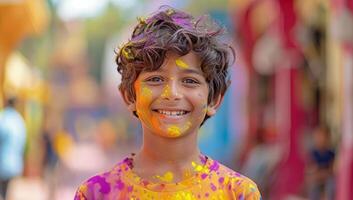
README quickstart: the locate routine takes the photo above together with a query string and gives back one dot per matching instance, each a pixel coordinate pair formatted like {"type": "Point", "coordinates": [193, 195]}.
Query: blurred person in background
{"type": "Point", "coordinates": [262, 161]}
{"type": "Point", "coordinates": [12, 144]}
{"type": "Point", "coordinates": [320, 166]}
{"type": "Point", "coordinates": [50, 158]}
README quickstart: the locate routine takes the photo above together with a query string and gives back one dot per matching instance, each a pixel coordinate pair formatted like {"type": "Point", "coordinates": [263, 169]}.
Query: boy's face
{"type": "Point", "coordinates": [172, 101]}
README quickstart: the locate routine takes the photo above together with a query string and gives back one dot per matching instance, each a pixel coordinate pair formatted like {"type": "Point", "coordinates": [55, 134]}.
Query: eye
{"type": "Point", "coordinates": [190, 81]}
{"type": "Point", "coordinates": [154, 79]}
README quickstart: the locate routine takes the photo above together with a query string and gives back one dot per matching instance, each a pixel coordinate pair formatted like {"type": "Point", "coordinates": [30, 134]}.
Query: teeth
{"type": "Point", "coordinates": [172, 113]}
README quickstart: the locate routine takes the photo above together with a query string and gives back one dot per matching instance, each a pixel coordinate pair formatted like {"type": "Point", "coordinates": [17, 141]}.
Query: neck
{"type": "Point", "coordinates": [161, 149]}
{"type": "Point", "coordinates": [159, 155]}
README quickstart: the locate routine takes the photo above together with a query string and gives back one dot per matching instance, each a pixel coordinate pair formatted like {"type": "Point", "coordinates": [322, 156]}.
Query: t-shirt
{"type": "Point", "coordinates": [323, 159]}
{"type": "Point", "coordinates": [211, 180]}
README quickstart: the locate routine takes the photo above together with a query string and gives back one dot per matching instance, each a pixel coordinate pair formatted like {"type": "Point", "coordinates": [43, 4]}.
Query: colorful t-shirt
{"type": "Point", "coordinates": [211, 181]}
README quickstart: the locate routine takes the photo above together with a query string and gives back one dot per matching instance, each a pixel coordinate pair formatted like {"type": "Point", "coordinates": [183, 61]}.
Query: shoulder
{"type": "Point", "coordinates": [101, 186]}
{"type": "Point", "coordinates": [244, 187]}
{"type": "Point", "coordinates": [95, 187]}
{"type": "Point", "coordinates": [239, 185]}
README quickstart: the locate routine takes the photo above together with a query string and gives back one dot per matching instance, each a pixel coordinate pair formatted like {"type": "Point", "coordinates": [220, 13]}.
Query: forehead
{"type": "Point", "coordinates": [191, 57]}
{"type": "Point", "coordinates": [188, 62]}
{"type": "Point", "coordinates": [174, 63]}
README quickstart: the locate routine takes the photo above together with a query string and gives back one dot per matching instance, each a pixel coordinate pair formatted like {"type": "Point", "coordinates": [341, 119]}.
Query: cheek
{"type": "Point", "coordinates": [143, 97]}
{"type": "Point", "coordinates": [204, 108]}
{"type": "Point", "coordinates": [202, 99]}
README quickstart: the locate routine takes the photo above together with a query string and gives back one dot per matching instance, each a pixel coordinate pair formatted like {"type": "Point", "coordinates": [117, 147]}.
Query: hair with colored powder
{"type": "Point", "coordinates": [173, 31]}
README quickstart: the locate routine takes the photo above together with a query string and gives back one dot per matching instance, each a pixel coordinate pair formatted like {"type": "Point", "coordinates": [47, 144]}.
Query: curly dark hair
{"type": "Point", "coordinates": [171, 30]}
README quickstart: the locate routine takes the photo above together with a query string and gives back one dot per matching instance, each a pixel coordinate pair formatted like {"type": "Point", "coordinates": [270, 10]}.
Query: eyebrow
{"type": "Point", "coordinates": [192, 71]}
{"type": "Point", "coordinates": [184, 71]}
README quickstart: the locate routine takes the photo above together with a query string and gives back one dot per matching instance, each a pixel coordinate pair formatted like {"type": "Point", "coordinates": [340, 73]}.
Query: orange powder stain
{"type": "Point", "coordinates": [145, 98]}
{"type": "Point", "coordinates": [181, 64]}
{"type": "Point", "coordinates": [155, 123]}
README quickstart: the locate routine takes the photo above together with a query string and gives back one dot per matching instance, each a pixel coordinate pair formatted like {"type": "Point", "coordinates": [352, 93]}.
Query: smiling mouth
{"type": "Point", "coordinates": [172, 113]}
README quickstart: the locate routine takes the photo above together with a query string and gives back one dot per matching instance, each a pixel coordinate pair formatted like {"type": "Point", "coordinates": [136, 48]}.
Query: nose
{"type": "Point", "coordinates": [172, 91]}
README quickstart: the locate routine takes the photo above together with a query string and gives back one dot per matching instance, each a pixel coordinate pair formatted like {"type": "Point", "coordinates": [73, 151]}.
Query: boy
{"type": "Point", "coordinates": [174, 76]}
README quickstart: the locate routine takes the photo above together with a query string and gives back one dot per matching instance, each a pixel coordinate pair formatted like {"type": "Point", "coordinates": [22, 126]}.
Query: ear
{"type": "Point", "coordinates": [131, 105]}
{"type": "Point", "coordinates": [214, 105]}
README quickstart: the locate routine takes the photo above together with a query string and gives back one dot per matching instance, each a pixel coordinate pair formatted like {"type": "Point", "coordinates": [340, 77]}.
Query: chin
{"type": "Point", "coordinates": [171, 133]}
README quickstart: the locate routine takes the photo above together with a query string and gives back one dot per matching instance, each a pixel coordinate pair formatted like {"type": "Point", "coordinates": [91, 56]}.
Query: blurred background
{"type": "Point", "coordinates": [286, 121]}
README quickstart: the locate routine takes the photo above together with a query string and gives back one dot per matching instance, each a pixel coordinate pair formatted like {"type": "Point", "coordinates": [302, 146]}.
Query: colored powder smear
{"type": "Point", "coordinates": [127, 53]}
{"type": "Point", "coordinates": [200, 168]}
{"type": "Point", "coordinates": [167, 177]}
{"type": "Point", "coordinates": [181, 64]}
{"type": "Point", "coordinates": [212, 181]}
{"type": "Point", "coordinates": [166, 92]}
{"type": "Point", "coordinates": [174, 131]}
{"type": "Point", "coordinates": [146, 92]}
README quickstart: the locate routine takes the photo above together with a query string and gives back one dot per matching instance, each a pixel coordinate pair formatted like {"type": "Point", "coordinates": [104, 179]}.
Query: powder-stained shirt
{"type": "Point", "coordinates": [212, 180]}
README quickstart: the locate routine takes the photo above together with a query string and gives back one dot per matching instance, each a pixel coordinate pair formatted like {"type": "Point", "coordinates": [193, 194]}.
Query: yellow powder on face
{"type": "Point", "coordinates": [181, 64]}
{"type": "Point", "coordinates": [174, 131]}
{"type": "Point", "coordinates": [144, 96]}
{"type": "Point", "coordinates": [167, 177]}
{"type": "Point", "coordinates": [146, 92]}
{"type": "Point", "coordinates": [166, 92]}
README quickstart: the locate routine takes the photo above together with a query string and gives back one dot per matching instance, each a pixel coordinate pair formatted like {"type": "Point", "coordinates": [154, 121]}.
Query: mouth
{"type": "Point", "coordinates": [172, 113]}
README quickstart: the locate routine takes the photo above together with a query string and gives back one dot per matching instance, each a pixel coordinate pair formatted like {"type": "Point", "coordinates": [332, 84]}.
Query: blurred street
{"type": "Point", "coordinates": [61, 182]}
